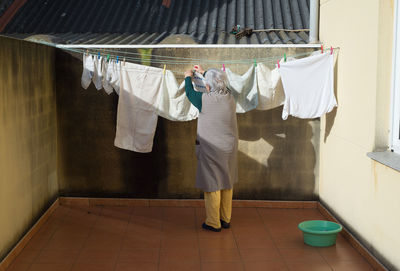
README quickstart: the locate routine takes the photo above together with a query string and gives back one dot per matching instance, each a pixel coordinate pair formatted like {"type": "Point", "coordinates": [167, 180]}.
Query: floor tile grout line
{"type": "Point", "coordinates": [237, 248]}
{"type": "Point", "coordinates": [197, 234]}
{"type": "Point", "coordinates": [58, 228]}
{"type": "Point", "coordinates": [87, 237]}
{"type": "Point", "coordinates": [272, 239]}
{"type": "Point", "coordinates": [335, 244]}
{"type": "Point", "coordinates": [329, 216]}
{"type": "Point", "coordinates": [325, 260]}
{"type": "Point", "coordinates": [79, 251]}
{"type": "Point", "coordinates": [312, 248]}
{"type": "Point", "coordinates": [51, 236]}
{"type": "Point", "coordinates": [121, 245]}
{"type": "Point", "coordinates": [161, 237]}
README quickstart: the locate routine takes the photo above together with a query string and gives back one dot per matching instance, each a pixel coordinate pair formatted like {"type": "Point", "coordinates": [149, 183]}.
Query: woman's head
{"type": "Point", "coordinates": [216, 81]}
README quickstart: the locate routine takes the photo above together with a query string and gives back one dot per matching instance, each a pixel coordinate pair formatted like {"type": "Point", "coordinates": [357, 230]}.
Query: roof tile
{"type": "Point", "coordinates": [149, 21]}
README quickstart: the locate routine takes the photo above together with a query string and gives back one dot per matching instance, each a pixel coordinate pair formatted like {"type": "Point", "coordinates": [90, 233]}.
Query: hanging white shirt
{"type": "Point", "coordinates": [308, 86]}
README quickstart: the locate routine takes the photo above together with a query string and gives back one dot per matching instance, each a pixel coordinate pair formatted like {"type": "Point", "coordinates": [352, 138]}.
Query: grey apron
{"type": "Point", "coordinates": [217, 143]}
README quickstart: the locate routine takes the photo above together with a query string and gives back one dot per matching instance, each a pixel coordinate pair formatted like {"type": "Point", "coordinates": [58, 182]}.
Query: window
{"type": "Point", "coordinates": [395, 131]}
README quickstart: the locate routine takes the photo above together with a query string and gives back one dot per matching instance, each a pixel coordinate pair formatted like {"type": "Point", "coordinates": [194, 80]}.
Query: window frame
{"type": "Point", "coordinates": [395, 122]}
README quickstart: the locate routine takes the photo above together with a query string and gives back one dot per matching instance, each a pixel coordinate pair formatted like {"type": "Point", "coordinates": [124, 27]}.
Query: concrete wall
{"type": "Point", "coordinates": [361, 192]}
{"type": "Point", "coordinates": [277, 159]}
{"type": "Point", "coordinates": [28, 174]}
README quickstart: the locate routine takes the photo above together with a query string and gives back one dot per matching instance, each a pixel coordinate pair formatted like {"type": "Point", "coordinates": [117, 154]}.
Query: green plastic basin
{"type": "Point", "coordinates": [319, 233]}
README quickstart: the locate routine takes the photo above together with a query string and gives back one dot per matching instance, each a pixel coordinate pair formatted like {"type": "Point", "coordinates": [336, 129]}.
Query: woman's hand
{"type": "Point", "coordinates": [188, 73]}
{"type": "Point", "coordinates": [199, 69]}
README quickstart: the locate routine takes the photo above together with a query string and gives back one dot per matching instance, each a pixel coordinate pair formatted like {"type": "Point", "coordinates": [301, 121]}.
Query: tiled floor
{"type": "Point", "coordinates": [170, 238]}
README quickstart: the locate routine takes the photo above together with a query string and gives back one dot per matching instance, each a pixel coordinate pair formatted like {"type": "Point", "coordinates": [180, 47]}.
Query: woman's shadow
{"type": "Point", "coordinates": [284, 163]}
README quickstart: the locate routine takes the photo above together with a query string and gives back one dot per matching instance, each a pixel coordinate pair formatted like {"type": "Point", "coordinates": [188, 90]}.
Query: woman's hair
{"type": "Point", "coordinates": [217, 81]}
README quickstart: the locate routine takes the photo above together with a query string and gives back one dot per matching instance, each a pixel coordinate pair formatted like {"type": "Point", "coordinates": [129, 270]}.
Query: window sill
{"type": "Point", "coordinates": [386, 158]}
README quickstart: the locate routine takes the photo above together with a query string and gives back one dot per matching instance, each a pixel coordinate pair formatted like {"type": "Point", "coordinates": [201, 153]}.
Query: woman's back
{"type": "Point", "coordinates": [217, 124]}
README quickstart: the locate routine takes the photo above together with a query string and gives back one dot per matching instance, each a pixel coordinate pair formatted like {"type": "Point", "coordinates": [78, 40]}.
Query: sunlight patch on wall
{"type": "Point", "coordinates": [258, 150]}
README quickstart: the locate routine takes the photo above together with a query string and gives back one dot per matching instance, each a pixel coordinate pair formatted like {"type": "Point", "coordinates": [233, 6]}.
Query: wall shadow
{"type": "Point", "coordinates": [287, 173]}
{"type": "Point", "coordinates": [330, 117]}
{"type": "Point", "coordinates": [89, 163]}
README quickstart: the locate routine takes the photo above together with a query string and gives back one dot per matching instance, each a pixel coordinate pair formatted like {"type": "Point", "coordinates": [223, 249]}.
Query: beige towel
{"type": "Point", "coordinates": [137, 115]}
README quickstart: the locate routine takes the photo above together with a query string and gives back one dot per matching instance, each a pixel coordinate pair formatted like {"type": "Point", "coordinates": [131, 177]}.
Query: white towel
{"type": "Point", "coordinates": [98, 75]}
{"type": "Point", "coordinates": [88, 70]}
{"type": "Point", "coordinates": [115, 75]}
{"type": "Point", "coordinates": [308, 86]}
{"type": "Point", "coordinates": [137, 107]}
{"type": "Point", "coordinates": [270, 91]}
{"type": "Point", "coordinates": [173, 103]}
{"type": "Point", "coordinates": [244, 89]}
{"type": "Point", "coordinates": [107, 75]}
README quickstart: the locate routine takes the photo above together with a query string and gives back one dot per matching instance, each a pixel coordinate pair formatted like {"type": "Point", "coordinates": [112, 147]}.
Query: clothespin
{"type": "Point", "coordinates": [117, 59]}
{"type": "Point", "coordinates": [108, 57]}
{"type": "Point", "coordinates": [223, 67]}
{"type": "Point", "coordinates": [255, 63]}
{"type": "Point", "coordinates": [284, 56]}
{"type": "Point", "coordinates": [279, 65]}
{"type": "Point", "coordinates": [164, 69]}
{"type": "Point", "coordinates": [123, 63]}
{"type": "Point", "coordinates": [87, 51]}
{"type": "Point", "coordinates": [322, 49]}
{"type": "Point", "coordinates": [331, 50]}
{"type": "Point", "coordinates": [98, 55]}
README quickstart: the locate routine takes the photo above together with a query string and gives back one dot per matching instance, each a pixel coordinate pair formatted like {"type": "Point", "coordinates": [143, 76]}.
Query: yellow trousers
{"type": "Point", "coordinates": [218, 206]}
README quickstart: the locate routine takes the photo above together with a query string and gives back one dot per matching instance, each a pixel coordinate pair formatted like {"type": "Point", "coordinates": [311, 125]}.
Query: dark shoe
{"type": "Point", "coordinates": [225, 225]}
{"type": "Point", "coordinates": [206, 227]}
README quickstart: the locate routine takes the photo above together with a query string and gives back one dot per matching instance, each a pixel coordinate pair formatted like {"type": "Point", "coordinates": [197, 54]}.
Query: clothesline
{"type": "Point", "coordinates": [173, 60]}
{"type": "Point", "coordinates": [306, 83]}
{"type": "Point", "coordinates": [113, 54]}
{"type": "Point", "coordinates": [166, 63]}
{"type": "Point", "coordinates": [186, 59]}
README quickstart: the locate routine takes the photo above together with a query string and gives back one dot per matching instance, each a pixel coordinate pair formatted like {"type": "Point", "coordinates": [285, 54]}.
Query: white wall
{"type": "Point", "coordinates": [363, 194]}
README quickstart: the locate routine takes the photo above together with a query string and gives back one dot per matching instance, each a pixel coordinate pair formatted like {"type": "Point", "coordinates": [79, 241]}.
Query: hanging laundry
{"type": "Point", "coordinates": [270, 90]}
{"type": "Point", "coordinates": [115, 75]}
{"type": "Point", "coordinates": [137, 113]}
{"type": "Point", "coordinates": [88, 70]}
{"type": "Point", "coordinates": [244, 89]}
{"type": "Point", "coordinates": [97, 75]}
{"type": "Point", "coordinates": [199, 82]}
{"type": "Point", "coordinates": [172, 103]}
{"type": "Point", "coordinates": [107, 75]}
{"type": "Point", "coordinates": [308, 86]}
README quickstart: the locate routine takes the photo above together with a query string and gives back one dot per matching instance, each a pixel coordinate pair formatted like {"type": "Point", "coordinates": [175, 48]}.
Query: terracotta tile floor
{"type": "Point", "coordinates": [170, 238]}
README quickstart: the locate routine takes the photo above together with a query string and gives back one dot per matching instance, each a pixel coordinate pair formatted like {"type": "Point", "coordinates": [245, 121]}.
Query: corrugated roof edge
{"type": "Point", "coordinates": [88, 46]}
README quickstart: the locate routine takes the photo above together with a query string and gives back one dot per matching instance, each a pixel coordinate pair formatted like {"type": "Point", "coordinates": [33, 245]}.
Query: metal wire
{"type": "Point", "coordinates": [183, 60]}
{"type": "Point", "coordinates": [173, 60]}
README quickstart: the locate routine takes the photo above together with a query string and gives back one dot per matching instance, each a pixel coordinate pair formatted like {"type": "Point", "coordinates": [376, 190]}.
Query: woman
{"type": "Point", "coordinates": [216, 145]}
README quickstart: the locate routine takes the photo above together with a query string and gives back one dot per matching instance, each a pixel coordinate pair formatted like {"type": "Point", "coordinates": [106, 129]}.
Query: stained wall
{"type": "Point", "coordinates": [28, 132]}
{"type": "Point", "coordinates": [277, 159]}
